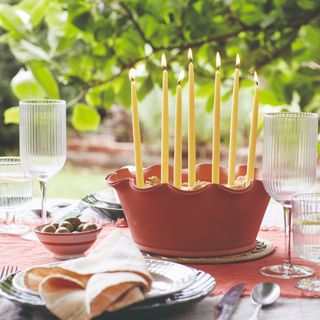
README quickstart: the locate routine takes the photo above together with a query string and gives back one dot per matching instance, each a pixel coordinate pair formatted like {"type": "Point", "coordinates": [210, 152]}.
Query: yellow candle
{"type": "Point", "coordinates": [136, 131]}
{"type": "Point", "coordinates": [165, 124]}
{"type": "Point", "coordinates": [234, 126]}
{"type": "Point", "coordinates": [215, 177]}
{"type": "Point", "coordinates": [178, 137]}
{"type": "Point", "coordinates": [191, 126]}
{"type": "Point", "coordinates": [253, 133]}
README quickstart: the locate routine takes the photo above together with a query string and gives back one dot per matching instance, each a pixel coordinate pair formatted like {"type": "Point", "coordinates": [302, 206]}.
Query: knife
{"type": "Point", "coordinates": [229, 302]}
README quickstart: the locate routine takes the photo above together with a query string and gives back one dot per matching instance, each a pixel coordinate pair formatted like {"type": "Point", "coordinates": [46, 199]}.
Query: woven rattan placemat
{"type": "Point", "coordinates": [262, 249]}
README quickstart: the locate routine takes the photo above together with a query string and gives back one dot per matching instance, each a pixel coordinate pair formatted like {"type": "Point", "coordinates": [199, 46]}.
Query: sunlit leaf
{"type": "Point", "coordinates": [85, 118]}
{"type": "Point", "coordinates": [11, 115]}
{"type": "Point", "coordinates": [10, 20]}
{"type": "Point", "coordinates": [25, 86]}
{"type": "Point", "coordinates": [26, 51]}
{"type": "Point", "coordinates": [38, 12]}
{"type": "Point", "coordinates": [93, 97]}
{"type": "Point", "coordinates": [45, 77]}
{"type": "Point", "coordinates": [269, 97]}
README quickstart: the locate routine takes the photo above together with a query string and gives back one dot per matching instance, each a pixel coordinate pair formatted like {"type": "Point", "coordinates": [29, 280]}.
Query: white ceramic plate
{"type": "Point", "coordinates": [168, 278]}
{"type": "Point", "coordinates": [109, 196]}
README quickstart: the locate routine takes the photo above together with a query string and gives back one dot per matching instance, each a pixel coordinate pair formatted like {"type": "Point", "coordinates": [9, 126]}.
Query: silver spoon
{"type": "Point", "coordinates": [264, 294]}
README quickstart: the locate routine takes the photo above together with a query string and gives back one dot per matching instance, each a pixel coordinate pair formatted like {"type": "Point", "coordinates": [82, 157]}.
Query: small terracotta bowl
{"type": "Point", "coordinates": [212, 221]}
{"type": "Point", "coordinates": [67, 245]}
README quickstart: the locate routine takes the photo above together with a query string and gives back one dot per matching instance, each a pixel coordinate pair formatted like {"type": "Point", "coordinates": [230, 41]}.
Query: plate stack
{"type": "Point", "coordinates": [174, 286]}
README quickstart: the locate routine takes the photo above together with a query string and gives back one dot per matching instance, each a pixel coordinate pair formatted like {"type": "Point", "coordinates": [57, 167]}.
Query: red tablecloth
{"type": "Point", "coordinates": [21, 253]}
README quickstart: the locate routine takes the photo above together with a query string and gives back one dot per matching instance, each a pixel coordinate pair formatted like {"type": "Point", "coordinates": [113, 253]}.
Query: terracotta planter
{"type": "Point", "coordinates": [212, 221]}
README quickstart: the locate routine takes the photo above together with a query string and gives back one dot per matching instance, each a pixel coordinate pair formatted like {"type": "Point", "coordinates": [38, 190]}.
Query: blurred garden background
{"type": "Point", "coordinates": [82, 50]}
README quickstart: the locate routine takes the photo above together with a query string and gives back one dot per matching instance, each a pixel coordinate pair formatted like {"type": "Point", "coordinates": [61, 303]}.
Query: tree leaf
{"type": "Point", "coordinates": [108, 97]}
{"type": "Point", "coordinates": [39, 11]}
{"type": "Point", "coordinates": [85, 118]}
{"type": "Point", "coordinates": [209, 103]}
{"type": "Point", "coordinates": [145, 88]}
{"type": "Point", "coordinates": [93, 97]}
{"type": "Point", "coordinates": [307, 4]}
{"type": "Point", "coordinates": [269, 97]}
{"type": "Point", "coordinates": [25, 86]}
{"type": "Point", "coordinates": [124, 92]}
{"type": "Point", "coordinates": [10, 21]}
{"type": "Point", "coordinates": [45, 77]}
{"type": "Point", "coordinates": [25, 51]}
{"type": "Point", "coordinates": [11, 115]}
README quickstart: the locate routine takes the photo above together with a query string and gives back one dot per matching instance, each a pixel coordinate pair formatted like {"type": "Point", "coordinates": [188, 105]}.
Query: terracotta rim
{"type": "Point", "coordinates": [113, 180]}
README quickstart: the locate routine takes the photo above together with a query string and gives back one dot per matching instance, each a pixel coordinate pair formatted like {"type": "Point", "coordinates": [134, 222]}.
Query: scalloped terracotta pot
{"type": "Point", "coordinates": [212, 221]}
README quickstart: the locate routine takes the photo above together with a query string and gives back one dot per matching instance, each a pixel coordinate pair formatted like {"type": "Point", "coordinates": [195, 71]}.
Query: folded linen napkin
{"type": "Point", "coordinates": [112, 276]}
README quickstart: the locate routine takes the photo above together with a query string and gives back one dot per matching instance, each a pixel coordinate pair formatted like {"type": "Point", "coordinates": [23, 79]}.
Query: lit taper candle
{"type": "Point", "coordinates": [191, 126]}
{"type": "Point", "coordinates": [253, 132]}
{"type": "Point", "coordinates": [234, 125]}
{"type": "Point", "coordinates": [216, 126]}
{"type": "Point", "coordinates": [177, 178]}
{"type": "Point", "coordinates": [136, 131]}
{"type": "Point", "coordinates": [165, 124]}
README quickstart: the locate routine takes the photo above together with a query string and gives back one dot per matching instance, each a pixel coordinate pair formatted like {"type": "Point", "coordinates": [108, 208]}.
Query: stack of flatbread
{"type": "Point", "coordinates": [112, 276]}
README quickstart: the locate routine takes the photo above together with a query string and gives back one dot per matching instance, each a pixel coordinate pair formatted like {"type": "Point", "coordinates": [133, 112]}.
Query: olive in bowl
{"type": "Point", "coordinates": [65, 244]}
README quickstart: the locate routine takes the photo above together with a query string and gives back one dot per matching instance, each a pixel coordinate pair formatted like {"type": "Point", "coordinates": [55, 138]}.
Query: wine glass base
{"type": "Point", "coordinates": [286, 272]}
{"type": "Point", "coordinates": [15, 229]}
{"type": "Point", "coordinates": [309, 284]}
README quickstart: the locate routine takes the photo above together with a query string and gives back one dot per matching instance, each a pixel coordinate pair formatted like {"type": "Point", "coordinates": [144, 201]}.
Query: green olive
{"type": "Point", "coordinates": [74, 221]}
{"type": "Point", "coordinates": [89, 226]}
{"type": "Point", "coordinates": [55, 224]}
{"type": "Point", "coordinates": [62, 230]}
{"type": "Point", "coordinates": [80, 227]}
{"type": "Point", "coordinates": [49, 229]}
{"type": "Point", "coordinates": [66, 224]}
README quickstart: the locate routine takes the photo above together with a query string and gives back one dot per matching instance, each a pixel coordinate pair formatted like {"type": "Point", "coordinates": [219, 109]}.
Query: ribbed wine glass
{"type": "Point", "coordinates": [289, 168]}
{"type": "Point", "coordinates": [15, 191]}
{"type": "Point", "coordinates": [43, 140]}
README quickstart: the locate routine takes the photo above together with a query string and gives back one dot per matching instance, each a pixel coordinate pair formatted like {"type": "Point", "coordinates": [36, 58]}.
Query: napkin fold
{"type": "Point", "coordinates": [112, 276]}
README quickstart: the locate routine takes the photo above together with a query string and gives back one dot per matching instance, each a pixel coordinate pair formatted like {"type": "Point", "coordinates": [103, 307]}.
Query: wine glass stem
{"type": "Point", "coordinates": [43, 187]}
{"type": "Point", "coordinates": [287, 232]}
{"type": "Point", "coordinates": [7, 219]}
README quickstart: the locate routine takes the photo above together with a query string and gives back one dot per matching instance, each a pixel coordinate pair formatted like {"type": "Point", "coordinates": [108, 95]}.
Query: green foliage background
{"type": "Point", "coordinates": [81, 50]}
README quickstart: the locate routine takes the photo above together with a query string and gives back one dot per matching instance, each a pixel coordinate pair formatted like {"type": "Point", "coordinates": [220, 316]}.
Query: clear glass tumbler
{"type": "Point", "coordinates": [15, 192]}
{"type": "Point", "coordinates": [306, 233]}
{"type": "Point", "coordinates": [43, 140]}
{"type": "Point", "coordinates": [289, 168]}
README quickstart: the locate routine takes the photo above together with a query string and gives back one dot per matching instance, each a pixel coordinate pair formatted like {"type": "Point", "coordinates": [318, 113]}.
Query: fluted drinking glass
{"type": "Point", "coordinates": [43, 141]}
{"type": "Point", "coordinates": [306, 233]}
{"type": "Point", "coordinates": [15, 192]}
{"type": "Point", "coordinates": [289, 168]}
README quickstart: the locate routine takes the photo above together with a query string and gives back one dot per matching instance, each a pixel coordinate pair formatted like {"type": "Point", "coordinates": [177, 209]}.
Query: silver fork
{"type": "Point", "coordinates": [6, 270]}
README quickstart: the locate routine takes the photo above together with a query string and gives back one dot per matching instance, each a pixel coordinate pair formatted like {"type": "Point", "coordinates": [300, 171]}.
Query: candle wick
{"type": "Point", "coordinates": [257, 83]}
{"type": "Point", "coordinates": [218, 68]}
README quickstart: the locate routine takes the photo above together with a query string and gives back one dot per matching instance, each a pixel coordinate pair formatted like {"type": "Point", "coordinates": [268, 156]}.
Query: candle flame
{"type": "Point", "coordinates": [238, 61]}
{"type": "Point", "coordinates": [218, 60]}
{"type": "Point", "coordinates": [181, 76]}
{"type": "Point", "coordinates": [256, 79]}
{"type": "Point", "coordinates": [132, 74]}
{"type": "Point", "coordinates": [163, 62]}
{"type": "Point", "coordinates": [190, 56]}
